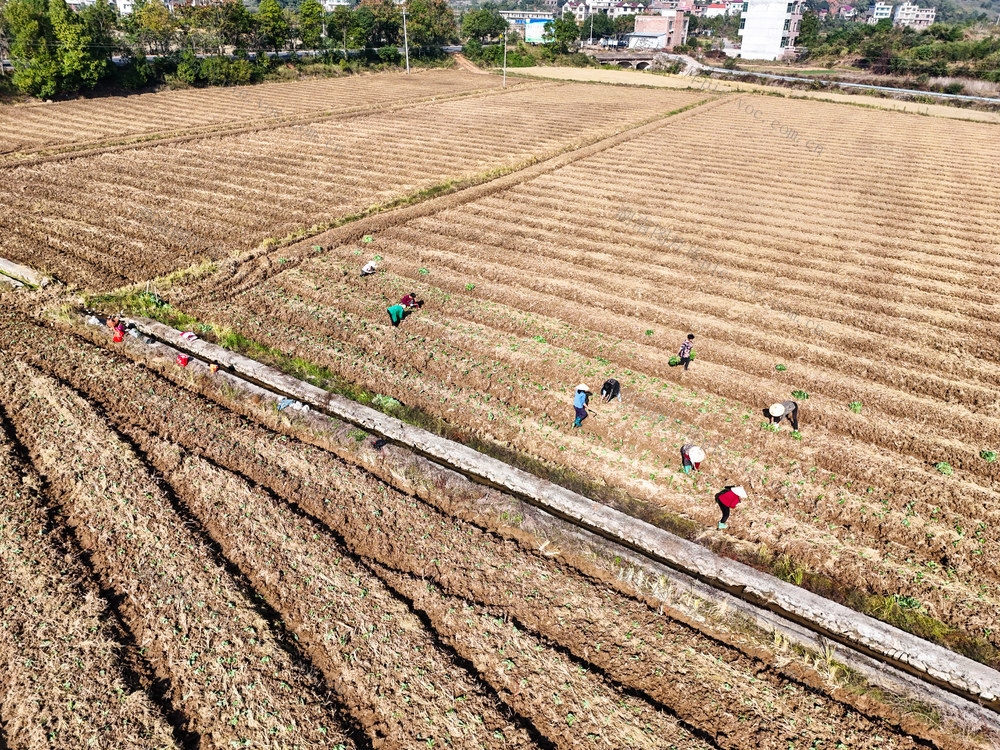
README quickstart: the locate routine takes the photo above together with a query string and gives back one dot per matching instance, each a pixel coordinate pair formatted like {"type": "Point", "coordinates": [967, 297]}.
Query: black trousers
{"type": "Point", "coordinates": [725, 511]}
{"type": "Point", "coordinates": [685, 361]}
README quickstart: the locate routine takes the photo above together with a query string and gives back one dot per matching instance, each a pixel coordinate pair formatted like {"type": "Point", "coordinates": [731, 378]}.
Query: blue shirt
{"type": "Point", "coordinates": [580, 400]}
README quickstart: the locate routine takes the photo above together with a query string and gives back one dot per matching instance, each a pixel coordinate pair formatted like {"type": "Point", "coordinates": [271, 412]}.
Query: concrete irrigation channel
{"type": "Point", "coordinates": [887, 655]}
{"type": "Point", "coordinates": [19, 276]}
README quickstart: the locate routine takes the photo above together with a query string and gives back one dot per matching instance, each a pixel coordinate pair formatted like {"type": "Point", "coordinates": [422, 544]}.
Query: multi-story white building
{"type": "Point", "coordinates": [878, 11]}
{"type": "Point", "coordinates": [582, 10]}
{"type": "Point", "coordinates": [908, 14]}
{"type": "Point", "coordinates": [769, 28]}
{"type": "Point", "coordinates": [331, 5]}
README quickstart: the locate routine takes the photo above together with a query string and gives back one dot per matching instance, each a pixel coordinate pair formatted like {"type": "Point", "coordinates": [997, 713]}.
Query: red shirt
{"type": "Point", "coordinates": [408, 300]}
{"type": "Point", "coordinates": [730, 499]}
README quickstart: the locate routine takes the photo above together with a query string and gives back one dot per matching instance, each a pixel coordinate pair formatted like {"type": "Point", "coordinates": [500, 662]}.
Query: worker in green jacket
{"type": "Point", "coordinates": [396, 314]}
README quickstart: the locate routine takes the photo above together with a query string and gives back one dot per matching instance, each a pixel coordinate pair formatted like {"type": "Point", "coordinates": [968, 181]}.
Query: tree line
{"type": "Point", "coordinates": [968, 49]}
{"type": "Point", "coordinates": [56, 50]}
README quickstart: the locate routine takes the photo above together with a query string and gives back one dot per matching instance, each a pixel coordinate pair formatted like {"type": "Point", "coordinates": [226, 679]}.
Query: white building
{"type": "Point", "coordinates": [910, 15]}
{"type": "Point", "coordinates": [769, 28]}
{"type": "Point", "coordinates": [331, 5]}
{"type": "Point", "coordinates": [124, 7]}
{"type": "Point", "coordinates": [519, 21]}
{"type": "Point", "coordinates": [715, 10]}
{"type": "Point", "coordinates": [878, 11]}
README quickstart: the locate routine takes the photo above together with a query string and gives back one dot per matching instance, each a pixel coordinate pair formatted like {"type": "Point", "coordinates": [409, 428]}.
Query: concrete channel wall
{"type": "Point", "coordinates": [23, 274]}
{"type": "Point", "coordinates": [948, 669]}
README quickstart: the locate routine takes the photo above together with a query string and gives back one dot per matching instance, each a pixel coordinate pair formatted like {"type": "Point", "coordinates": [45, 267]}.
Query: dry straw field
{"type": "Point", "coordinates": [182, 566]}
{"type": "Point", "coordinates": [119, 215]}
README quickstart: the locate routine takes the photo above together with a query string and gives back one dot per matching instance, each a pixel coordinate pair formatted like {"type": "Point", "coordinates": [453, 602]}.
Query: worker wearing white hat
{"type": "Point", "coordinates": [691, 457]}
{"type": "Point", "coordinates": [785, 410]}
{"type": "Point", "coordinates": [369, 268]}
{"type": "Point", "coordinates": [580, 404]}
{"type": "Point", "coordinates": [728, 499]}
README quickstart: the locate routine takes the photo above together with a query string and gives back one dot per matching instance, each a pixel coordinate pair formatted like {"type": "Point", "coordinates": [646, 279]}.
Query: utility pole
{"type": "Point", "coordinates": [591, 28]}
{"type": "Point", "coordinates": [406, 43]}
{"type": "Point", "coordinates": [504, 37]}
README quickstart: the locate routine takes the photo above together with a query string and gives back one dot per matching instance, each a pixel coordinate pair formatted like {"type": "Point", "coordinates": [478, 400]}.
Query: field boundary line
{"type": "Point", "coordinates": [33, 158]}
{"type": "Point", "coordinates": [935, 664]}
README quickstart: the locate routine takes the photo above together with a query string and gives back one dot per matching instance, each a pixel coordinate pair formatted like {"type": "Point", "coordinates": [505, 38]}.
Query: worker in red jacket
{"type": "Point", "coordinates": [728, 499]}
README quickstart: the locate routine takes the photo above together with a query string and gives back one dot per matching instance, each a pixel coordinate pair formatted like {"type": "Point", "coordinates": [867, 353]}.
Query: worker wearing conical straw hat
{"type": "Point", "coordinates": [691, 457]}
{"type": "Point", "coordinates": [580, 404]}
{"type": "Point", "coordinates": [728, 499]}
{"type": "Point", "coordinates": [785, 410]}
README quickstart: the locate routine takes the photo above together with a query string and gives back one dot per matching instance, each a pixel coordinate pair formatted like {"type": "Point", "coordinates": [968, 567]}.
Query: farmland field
{"type": "Point", "coordinates": [265, 575]}
{"type": "Point", "coordinates": [182, 565]}
{"type": "Point", "coordinates": [178, 203]}
{"type": "Point", "coordinates": [849, 267]}
{"type": "Point", "coordinates": [59, 126]}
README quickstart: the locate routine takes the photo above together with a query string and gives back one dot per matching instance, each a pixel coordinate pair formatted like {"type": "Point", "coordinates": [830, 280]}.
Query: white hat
{"type": "Point", "coordinates": [696, 454]}
{"type": "Point", "coordinates": [582, 387]}
{"type": "Point", "coordinates": [776, 410]}
{"type": "Point", "coordinates": [740, 492]}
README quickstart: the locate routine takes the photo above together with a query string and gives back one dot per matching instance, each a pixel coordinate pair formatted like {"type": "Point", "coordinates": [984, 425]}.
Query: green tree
{"type": "Point", "coordinates": [311, 24]}
{"type": "Point", "coordinates": [561, 32]}
{"type": "Point", "coordinates": [808, 30]}
{"type": "Point", "coordinates": [101, 20]}
{"type": "Point", "coordinates": [151, 25]}
{"type": "Point", "coordinates": [342, 19]}
{"type": "Point", "coordinates": [483, 23]}
{"type": "Point", "coordinates": [362, 33]}
{"type": "Point", "coordinates": [602, 23]}
{"type": "Point", "coordinates": [431, 22]}
{"type": "Point", "coordinates": [81, 65]}
{"type": "Point", "coordinates": [32, 43]}
{"type": "Point", "coordinates": [273, 25]}
{"type": "Point", "coordinates": [625, 24]}
{"type": "Point", "coordinates": [387, 22]}
{"type": "Point", "coordinates": [236, 25]}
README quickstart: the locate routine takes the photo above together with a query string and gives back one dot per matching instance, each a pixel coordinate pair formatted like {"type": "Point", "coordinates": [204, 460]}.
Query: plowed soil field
{"type": "Point", "coordinates": [279, 596]}
{"type": "Point", "coordinates": [182, 566]}
{"type": "Point", "coordinates": [852, 269]}
{"type": "Point", "coordinates": [83, 123]}
{"type": "Point", "coordinates": [126, 215]}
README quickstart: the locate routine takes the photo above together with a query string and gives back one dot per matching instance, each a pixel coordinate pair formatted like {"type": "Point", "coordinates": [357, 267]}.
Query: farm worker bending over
{"type": "Point", "coordinates": [691, 457]}
{"type": "Point", "coordinates": [610, 390]}
{"type": "Point", "coordinates": [409, 301]}
{"type": "Point", "coordinates": [685, 352]}
{"type": "Point", "coordinates": [728, 499]}
{"type": "Point", "coordinates": [369, 268]}
{"type": "Point", "coordinates": [580, 404]}
{"type": "Point", "coordinates": [785, 410]}
{"type": "Point", "coordinates": [396, 313]}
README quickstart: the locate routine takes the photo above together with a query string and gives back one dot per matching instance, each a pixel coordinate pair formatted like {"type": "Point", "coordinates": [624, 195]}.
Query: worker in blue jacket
{"type": "Point", "coordinates": [580, 404]}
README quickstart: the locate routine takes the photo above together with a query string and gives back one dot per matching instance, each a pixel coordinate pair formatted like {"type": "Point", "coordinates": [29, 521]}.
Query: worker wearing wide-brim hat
{"type": "Point", "coordinates": [580, 400]}
{"type": "Point", "coordinates": [785, 410]}
{"type": "Point", "coordinates": [691, 457]}
{"type": "Point", "coordinates": [728, 499]}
